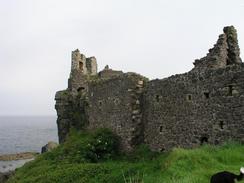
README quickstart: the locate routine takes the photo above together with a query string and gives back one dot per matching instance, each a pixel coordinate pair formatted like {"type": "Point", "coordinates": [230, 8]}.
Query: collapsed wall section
{"type": "Point", "coordinates": [191, 109]}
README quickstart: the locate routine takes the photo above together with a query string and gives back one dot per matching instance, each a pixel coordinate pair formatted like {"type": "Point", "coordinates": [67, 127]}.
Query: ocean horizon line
{"type": "Point", "coordinates": [28, 115]}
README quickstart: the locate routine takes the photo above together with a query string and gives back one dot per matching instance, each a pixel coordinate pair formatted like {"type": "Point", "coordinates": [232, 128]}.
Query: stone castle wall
{"type": "Point", "coordinates": [115, 103]}
{"type": "Point", "coordinates": [205, 105]}
{"type": "Point", "coordinates": [191, 109]}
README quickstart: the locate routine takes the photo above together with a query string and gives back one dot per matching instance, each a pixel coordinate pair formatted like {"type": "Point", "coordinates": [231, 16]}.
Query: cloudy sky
{"type": "Point", "coordinates": [156, 38]}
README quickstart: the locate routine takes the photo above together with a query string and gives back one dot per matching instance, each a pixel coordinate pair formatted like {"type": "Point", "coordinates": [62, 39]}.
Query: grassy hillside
{"type": "Point", "coordinates": [87, 158]}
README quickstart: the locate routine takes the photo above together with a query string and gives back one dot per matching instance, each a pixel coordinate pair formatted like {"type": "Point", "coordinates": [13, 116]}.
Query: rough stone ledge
{"type": "Point", "coordinates": [18, 156]}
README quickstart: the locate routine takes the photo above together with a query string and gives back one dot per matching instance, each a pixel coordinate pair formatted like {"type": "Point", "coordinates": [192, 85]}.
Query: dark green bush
{"type": "Point", "coordinates": [84, 147]}
{"type": "Point", "coordinates": [103, 145]}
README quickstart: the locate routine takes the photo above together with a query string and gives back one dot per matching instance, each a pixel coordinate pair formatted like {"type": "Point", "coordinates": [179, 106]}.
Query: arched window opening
{"type": "Point", "coordinates": [80, 89]}
{"type": "Point", "coordinates": [81, 66]}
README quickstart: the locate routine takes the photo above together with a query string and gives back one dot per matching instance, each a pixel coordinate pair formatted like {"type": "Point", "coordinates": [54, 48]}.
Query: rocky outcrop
{"type": "Point", "coordinates": [5, 176]}
{"type": "Point", "coordinates": [18, 156]}
{"type": "Point", "coordinates": [49, 147]}
{"type": "Point", "coordinates": [71, 109]}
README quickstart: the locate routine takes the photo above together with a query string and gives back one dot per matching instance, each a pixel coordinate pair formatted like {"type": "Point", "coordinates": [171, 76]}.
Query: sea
{"type": "Point", "coordinates": [26, 133]}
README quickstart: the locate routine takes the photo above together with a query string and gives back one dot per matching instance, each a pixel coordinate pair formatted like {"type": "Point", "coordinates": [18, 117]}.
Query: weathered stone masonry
{"type": "Point", "coordinates": [205, 105]}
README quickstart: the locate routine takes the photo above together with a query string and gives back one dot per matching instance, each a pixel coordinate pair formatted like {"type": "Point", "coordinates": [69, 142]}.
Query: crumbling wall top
{"type": "Point", "coordinates": [225, 52]}
{"type": "Point", "coordinates": [233, 47]}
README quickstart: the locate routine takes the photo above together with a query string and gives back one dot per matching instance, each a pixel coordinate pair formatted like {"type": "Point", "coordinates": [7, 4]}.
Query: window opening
{"type": "Point", "coordinates": [81, 66]}
{"type": "Point", "coordinates": [230, 90]}
{"type": "Point", "coordinates": [206, 94]}
{"type": "Point", "coordinates": [161, 129]}
{"type": "Point", "coordinates": [189, 97]}
{"type": "Point", "coordinates": [203, 140]}
{"type": "Point", "coordinates": [221, 125]}
{"type": "Point", "coordinates": [157, 98]}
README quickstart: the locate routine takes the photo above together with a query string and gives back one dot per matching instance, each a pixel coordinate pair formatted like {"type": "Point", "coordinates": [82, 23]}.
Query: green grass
{"type": "Point", "coordinates": [69, 163]}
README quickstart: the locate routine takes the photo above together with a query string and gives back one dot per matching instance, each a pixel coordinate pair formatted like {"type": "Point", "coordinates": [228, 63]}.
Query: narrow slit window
{"type": "Point", "coordinates": [221, 125]}
{"type": "Point", "coordinates": [161, 129]}
{"type": "Point", "coordinates": [81, 66]}
{"type": "Point", "coordinates": [230, 90]}
{"type": "Point", "coordinates": [189, 97]}
{"type": "Point", "coordinates": [157, 98]}
{"type": "Point", "coordinates": [206, 95]}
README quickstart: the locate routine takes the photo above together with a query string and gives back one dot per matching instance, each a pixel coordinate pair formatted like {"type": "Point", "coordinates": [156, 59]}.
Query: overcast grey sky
{"type": "Point", "coordinates": [156, 38]}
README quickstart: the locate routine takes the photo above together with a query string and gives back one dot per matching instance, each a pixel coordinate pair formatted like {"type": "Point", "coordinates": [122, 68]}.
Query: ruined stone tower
{"type": "Point", "coordinates": [204, 105]}
{"type": "Point", "coordinates": [82, 64]}
{"type": "Point", "coordinates": [81, 69]}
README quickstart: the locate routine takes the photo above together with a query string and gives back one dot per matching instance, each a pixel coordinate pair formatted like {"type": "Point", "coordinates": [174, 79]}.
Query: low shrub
{"type": "Point", "coordinates": [80, 147]}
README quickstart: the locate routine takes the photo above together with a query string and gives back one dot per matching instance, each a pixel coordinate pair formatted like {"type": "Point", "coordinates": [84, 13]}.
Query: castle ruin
{"type": "Point", "coordinates": [204, 105]}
